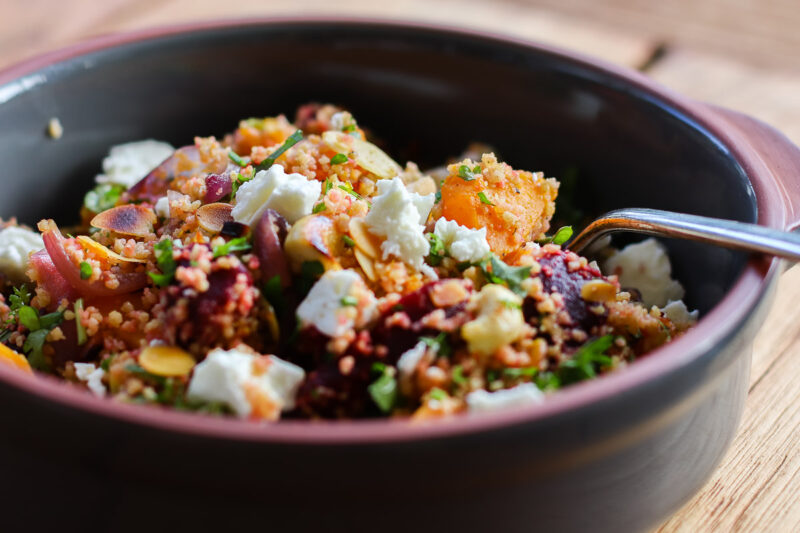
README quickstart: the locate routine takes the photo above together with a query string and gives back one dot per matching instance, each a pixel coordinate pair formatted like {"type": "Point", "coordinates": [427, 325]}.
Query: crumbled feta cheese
{"type": "Point", "coordinates": [128, 163]}
{"type": "Point", "coordinates": [463, 243]}
{"type": "Point", "coordinates": [409, 360]}
{"type": "Point", "coordinates": [16, 245]}
{"type": "Point", "coordinates": [337, 302]}
{"type": "Point", "coordinates": [337, 121]}
{"type": "Point", "coordinates": [291, 195]}
{"type": "Point", "coordinates": [679, 314]}
{"type": "Point", "coordinates": [499, 320]}
{"type": "Point", "coordinates": [398, 215]}
{"type": "Point", "coordinates": [93, 377]}
{"type": "Point", "coordinates": [645, 266]}
{"type": "Point", "coordinates": [481, 401]}
{"type": "Point", "coordinates": [162, 207]}
{"type": "Point", "coordinates": [257, 385]}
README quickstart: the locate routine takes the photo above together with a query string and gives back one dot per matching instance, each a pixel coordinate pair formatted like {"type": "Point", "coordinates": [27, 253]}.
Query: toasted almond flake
{"type": "Point", "coordinates": [366, 263]}
{"type": "Point", "coordinates": [167, 361]}
{"type": "Point", "coordinates": [54, 128]}
{"type": "Point", "coordinates": [366, 241]}
{"type": "Point", "coordinates": [598, 290]}
{"type": "Point", "coordinates": [366, 155]}
{"type": "Point", "coordinates": [134, 220]}
{"type": "Point", "coordinates": [212, 217]}
{"type": "Point", "coordinates": [101, 252]}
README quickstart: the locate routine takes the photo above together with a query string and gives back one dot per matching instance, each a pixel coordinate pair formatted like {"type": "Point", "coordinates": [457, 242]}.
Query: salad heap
{"type": "Point", "coordinates": [295, 270]}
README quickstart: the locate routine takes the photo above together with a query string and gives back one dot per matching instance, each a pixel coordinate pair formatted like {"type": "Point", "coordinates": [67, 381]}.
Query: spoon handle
{"type": "Point", "coordinates": [726, 233]}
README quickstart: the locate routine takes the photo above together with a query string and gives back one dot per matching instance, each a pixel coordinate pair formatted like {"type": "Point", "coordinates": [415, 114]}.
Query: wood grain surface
{"type": "Point", "coordinates": [736, 53]}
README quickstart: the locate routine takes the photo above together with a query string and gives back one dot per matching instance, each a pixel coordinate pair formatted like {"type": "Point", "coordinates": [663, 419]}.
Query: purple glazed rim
{"type": "Point", "coordinates": [711, 331]}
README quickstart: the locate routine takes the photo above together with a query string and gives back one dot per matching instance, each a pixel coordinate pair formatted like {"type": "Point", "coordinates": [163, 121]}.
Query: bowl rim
{"type": "Point", "coordinates": [711, 331]}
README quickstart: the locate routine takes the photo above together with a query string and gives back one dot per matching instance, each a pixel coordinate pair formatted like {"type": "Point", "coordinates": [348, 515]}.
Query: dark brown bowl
{"type": "Point", "coordinates": [616, 454]}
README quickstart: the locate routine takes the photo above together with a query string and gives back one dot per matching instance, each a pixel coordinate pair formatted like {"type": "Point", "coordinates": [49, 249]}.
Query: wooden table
{"type": "Point", "coordinates": [737, 54]}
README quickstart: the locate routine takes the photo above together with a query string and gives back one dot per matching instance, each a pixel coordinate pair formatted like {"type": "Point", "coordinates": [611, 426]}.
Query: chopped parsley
{"type": "Point", "coordinates": [81, 331]}
{"type": "Point", "coordinates": [349, 301]}
{"type": "Point", "coordinates": [338, 159]}
{"type": "Point", "coordinates": [166, 263]}
{"type": "Point", "coordinates": [86, 270]}
{"type": "Point", "coordinates": [559, 237]}
{"type": "Point", "coordinates": [348, 241]}
{"type": "Point", "coordinates": [103, 197]}
{"type": "Point", "coordinates": [237, 159]}
{"type": "Point", "coordinates": [438, 197]}
{"type": "Point", "coordinates": [328, 185]}
{"type": "Point", "coordinates": [319, 208]}
{"type": "Point", "coordinates": [458, 375]}
{"type": "Point", "coordinates": [138, 371]}
{"type": "Point", "coordinates": [310, 272]}
{"type": "Point", "coordinates": [237, 180]}
{"type": "Point", "coordinates": [516, 373]}
{"type": "Point", "coordinates": [502, 273]}
{"type": "Point", "coordinates": [437, 250]}
{"type": "Point", "coordinates": [39, 327]}
{"type": "Point", "coordinates": [346, 187]}
{"type": "Point", "coordinates": [484, 200]}
{"type": "Point", "coordinates": [293, 139]}
{"type": "Point", "coordinates": [437, 394]}
{"type": "Point", "coordinates": [383, 390]}
{"type": "Point", "coordinates": [438, 344]}
{"type": "Point", "coordinates": [468, 174]}
{"type": "Point", "coordinates": [585, 362]}
{"type": "Point", "coordinates": [273, 292]}
{"type": "Point", "coordinates": [238, 244]}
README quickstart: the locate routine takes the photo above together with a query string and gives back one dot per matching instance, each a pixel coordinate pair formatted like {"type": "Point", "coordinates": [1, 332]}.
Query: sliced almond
{"type": "Point", "coordinates": [101, 252]}
{"type": "Point", "coordinates": [212, 217]}
{"type": "Point", "coordinates": [167, 361]}
{"type": "Point", "coordinates": [366, 241]}
{"type": "Point", "coordinates": [134, 220]}
{"type": "Point", "coordinates": [598, 290]}
{"type": "Point", "coordinates": [366, 155]}
{"type": "Point", "coordinates": [366, 263]}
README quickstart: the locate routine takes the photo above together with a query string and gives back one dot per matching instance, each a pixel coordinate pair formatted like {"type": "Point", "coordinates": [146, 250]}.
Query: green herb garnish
{"type": "Point", "coordinates": [484, 200]}
{"type": "Point", "coordinates": [585, 362]}
{"type": "Point", "coordinates": [237, 159]}
{"type": "Point", "coordinates": [348, 241]}
{"type": "Point", "coordinates": [338, 159]}
{"type": "Point", "coordinates": [78, 324]}
{"type": "Point", "coordinates": [39, 327]}
{"type": "Point", "coordinates": [319, 208]}
{"type": "Point", "coordinates": [458, 375]}
{"type": "Point", "coordinates": [349, 301]}
{"type": "Point", "coordinates": [137, 370]}
{"type": "Point", "coordinates": [346, 187]}
{"type": "Point", "coordinates": [559, 237]}
{"type": "Point", "coordinates": [439, 344]}
{"type": "Point", "coordinates": [467, 174]}
{"type": "Point", "coordinates": [86, 270]}
{"type": "Point", "coordinates": [103, 197]}
{"type": "Point", "coordinates": [273, 292]}
{"type": "Point", "coordinates": [516, 373]}
{"type": "Point", "coordinates": [504, 274]}
{"type": "Point", "coordinates": [437, 394]}
{"type": "Point", "coordinates": [166, 263]}
{"type": "Point", "coordinates": [310, 272]}
{"type": "Point", "coordinates": [293, 139]}
{"type": "Point", "coordinates": [239, 244]}
{"type": "Point", "coordinates": [438, 197]}
{"type": "Point", "coordinates": [384, 391]}
{"type": "Point", "coordinates": [437, 250]}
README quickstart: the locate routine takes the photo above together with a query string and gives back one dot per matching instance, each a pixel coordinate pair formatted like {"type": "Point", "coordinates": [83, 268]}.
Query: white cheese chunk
{"type": "Point", "coordinates": [162, 207]}
{"type": "Point", "coordinates": [128, 163]}
{"type": "Point", "coordinates": [645, 266]}
{"type": "Point", "coordinates": [398, 215]}
{"type": "Point", "coordinates": [337, 302]}
{"type": "Point", "coordinates": [679, 314]}
{"type": "Point", "coordinates": [249, 384]}
{"type": "Point", "coordinates": [16, 246]}
{"type": "Point", "coordinates": [409, 360]}
{"type": "Point", "coordinates": [463, 243]}
{"type": "Point", "coordinates": [481, 401]}
{"type": "Point", "coordinates": [291, 195]}
{"type": "Point", "coordinates": [93, 377]}
{"type": "Point", "coordinates": [499, 321]}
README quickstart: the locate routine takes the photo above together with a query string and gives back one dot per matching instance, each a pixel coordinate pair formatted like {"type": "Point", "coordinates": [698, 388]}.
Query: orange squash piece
{"type": "Point", "coordinates": [514, 206]}
{"type": "Point", "coordinates": [10, 357]}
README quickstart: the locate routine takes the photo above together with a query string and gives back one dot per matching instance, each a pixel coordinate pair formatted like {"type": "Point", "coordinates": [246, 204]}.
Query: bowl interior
{"type": "Point", "coordinates": [426, 93]}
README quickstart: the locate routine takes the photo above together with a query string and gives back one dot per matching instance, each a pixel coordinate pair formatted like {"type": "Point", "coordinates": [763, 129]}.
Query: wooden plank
{"type": "Point", "coordinates": [81, 18]}
{"type": "Point", "coordinates": [757, 485]}
{"type": "Point", "coordinates": [760, 32]}
{"type": "Point", "coordinates": [772, 95]}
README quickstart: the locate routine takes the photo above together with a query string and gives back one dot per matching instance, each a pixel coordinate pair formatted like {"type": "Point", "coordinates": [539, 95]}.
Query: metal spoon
{"type": "Point", "coordinates": [726, 233]}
